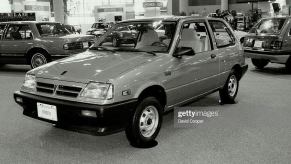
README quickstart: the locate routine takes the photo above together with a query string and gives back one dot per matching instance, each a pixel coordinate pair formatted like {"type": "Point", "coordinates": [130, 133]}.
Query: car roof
{"type": "Point", "coordinates": [168, 18]}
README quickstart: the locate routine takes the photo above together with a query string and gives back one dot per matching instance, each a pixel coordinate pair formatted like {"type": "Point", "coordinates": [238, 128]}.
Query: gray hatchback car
{"type": "Point", "coordinates": [107, 89]}
{"type": "Point", "coordinates": [37, 43]}
{"type": "Point", "coordinates": [269, 41]}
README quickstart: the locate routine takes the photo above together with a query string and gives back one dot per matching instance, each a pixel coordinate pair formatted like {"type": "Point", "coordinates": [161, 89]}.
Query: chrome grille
{"type": "Point", "coordinates": [45, 87]}
{"type": "Point", "coordinates": [68, 91]}
{"type": "Point", "coordinates": [61, 90]}
{"type": "Point", "coordinates": [79, 45]}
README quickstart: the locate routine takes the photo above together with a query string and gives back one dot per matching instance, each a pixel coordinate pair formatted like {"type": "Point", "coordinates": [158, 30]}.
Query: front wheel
{"type": "Point", "coordinates": [38, 59]}
{"type": "Point", "coordinates": [229, 91]}
{"type": "Point", "coordinates": [260, 63]}
{"type": "Point", "coordinates": [145, 123]}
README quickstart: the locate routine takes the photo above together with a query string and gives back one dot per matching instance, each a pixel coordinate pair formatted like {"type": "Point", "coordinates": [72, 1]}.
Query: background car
{"type": "Point", "coordinates": [122, 35]}
{"type": "Point", "coordinates": [37, 43]}
{"type": "Point", "coordinates": [269, 41]}
{"type": "Point", "coordinates": [98, 29]}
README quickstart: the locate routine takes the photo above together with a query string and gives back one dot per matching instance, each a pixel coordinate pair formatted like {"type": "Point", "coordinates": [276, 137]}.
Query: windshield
{"type": "Point", "coordinates": [269, 26]}
{"type": "Point", "coordinates": [46, 29]}
{"type": "Point", "coordinates": [142, 36]}
{"type": "Point", "coordinates": [99, 26]}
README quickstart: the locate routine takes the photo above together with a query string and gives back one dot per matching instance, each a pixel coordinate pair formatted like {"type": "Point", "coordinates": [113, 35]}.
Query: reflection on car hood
{"type": "Point", "coordinates": [92, 66]}
{"type": "Point", "coordinates": [71, 38]}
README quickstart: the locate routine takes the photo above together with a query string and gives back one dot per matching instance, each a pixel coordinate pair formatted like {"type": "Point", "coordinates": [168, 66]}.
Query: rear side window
{"type": "Point", "coordinates": [269, 26]}
{"type": "Point", "coordinates": [222, 34]}
{"type": "Point", "coordinates": [18, 32]}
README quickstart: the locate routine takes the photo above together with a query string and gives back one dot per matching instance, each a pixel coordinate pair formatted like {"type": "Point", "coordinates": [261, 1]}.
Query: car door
{"type": "Point", "coordinates": [195, 74]}
{"type": "Point", "coordinates": [2, 31]}
{"type": "Point", "coordinates": [226, 48]}
{"type": "Point", "coordinates": [16, 40]}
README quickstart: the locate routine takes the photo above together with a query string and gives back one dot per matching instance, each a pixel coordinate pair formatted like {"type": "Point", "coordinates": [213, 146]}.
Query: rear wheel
{"type": "Point", "coordinates": [145, 123]}
{"type": "Point", "coordinates": [229, 91]}
{"type": "Point", "coordinates": [260, 63]}
{"type": "Point", "coordinates": [38, 58]}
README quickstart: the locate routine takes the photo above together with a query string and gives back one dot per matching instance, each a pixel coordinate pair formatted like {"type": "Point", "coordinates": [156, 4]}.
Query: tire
{"type": "Point", "coordinates": [149, 113]}
{"type": "Point", "coordinates": [115, 42]}
{"type": "Point", "coordinates": [38, 58]}
{"type": "Point", "coordinates": [260, 63]}
{"type": "Point", "coordinates": [229, 92]}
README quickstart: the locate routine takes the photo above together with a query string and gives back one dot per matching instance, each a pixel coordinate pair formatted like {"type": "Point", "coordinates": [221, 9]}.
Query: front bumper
{"type": "Point", "coordinates": [275, 57]}
{"type": "Point", "coordinates": [110, 118]}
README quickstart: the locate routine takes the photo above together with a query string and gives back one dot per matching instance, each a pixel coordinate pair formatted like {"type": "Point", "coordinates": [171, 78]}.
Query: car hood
{"type": "Point", "coordinates": [96, 29]}
{"type": "Point", "coordinates": [71, 38]}
{"type": "Point", "coordinates": [92, 65]}
{"type": "Point", "coordinates": [77, 37]}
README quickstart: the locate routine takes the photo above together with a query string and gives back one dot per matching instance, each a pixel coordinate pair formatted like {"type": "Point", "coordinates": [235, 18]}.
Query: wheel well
{"type": "Point", "coordinates": [238, 71]}
{"type": "Point", "coordinates": [34, 50]}
{"type": "Point", "coordinates": [155, 91]}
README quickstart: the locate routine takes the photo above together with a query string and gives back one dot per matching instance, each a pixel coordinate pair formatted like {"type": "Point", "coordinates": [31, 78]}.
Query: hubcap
{"type": "Point", "coordinates": [149, 121]}
{"type": "Point", "coordinates": [232, 85]}
{"type": "Point", "coordinates": [37, 60]}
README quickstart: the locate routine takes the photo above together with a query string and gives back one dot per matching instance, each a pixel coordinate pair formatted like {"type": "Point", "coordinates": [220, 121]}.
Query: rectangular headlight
{"type": "Point", "coordinates": [101, 91]}
{"type": "Point", "coordinates": [29, 82]}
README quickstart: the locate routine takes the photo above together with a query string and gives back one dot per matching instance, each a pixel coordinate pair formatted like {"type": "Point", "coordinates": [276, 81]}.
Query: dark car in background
{"type": "Point", "coordinates": [269, 41]}
{"type": "Point", "coordinates": [37, 43]}
{"type": "Point", "coordinates": [122, 35]}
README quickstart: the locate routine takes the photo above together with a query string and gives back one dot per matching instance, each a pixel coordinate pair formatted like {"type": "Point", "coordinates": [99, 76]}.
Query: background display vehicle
{"type": "Point", "coordinates": [122, 35]}
{"type": "Point", "coordinates": [98, 29]}
{"type": "Point", "coordinates": [130, 86]}
{"type": "Point", "coordinates": [37, 43]}
{"type": "Point", "coordinates": [269, 41]}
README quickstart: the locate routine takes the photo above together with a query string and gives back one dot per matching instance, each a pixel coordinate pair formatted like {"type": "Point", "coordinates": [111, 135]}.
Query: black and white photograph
{"type": "Point", "coordinates": [145, 81]}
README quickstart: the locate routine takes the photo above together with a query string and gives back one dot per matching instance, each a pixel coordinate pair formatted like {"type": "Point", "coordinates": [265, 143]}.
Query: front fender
{"type": "Point", "coordinates": [145, 86]}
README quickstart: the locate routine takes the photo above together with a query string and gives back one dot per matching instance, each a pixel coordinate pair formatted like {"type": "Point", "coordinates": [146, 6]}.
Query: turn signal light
{"type": "Point", "coordinates": [88, 113]}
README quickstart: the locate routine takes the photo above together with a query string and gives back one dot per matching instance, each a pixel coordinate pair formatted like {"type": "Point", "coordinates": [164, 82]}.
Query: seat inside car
{"type": "Point", "coordinates": [148, 38]}
{"type": "Point", "coordinates": [190, 39]}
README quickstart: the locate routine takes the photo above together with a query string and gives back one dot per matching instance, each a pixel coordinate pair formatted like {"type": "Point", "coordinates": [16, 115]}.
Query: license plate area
{"type": "Point", "coordinates": [47, 111]}
{"type": "Point", "coordinates": [258, 44]}
{"type": "Point", "coordinates": [85, 44]}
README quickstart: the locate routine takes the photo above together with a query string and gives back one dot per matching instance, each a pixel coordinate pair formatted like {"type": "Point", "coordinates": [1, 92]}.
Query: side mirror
{"type": "Point", "coordinates": [183, 51]}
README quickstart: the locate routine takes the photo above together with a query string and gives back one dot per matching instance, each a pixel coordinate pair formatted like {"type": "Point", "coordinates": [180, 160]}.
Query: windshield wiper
{"type": "Point", "coordinates": [137, 50]}
{"type": "Point", "coordinates": [102, 48]}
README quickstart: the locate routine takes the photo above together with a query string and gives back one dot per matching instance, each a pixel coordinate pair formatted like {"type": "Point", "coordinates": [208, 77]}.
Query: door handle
{"type": "Point", "coordinates": [213, 56]}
